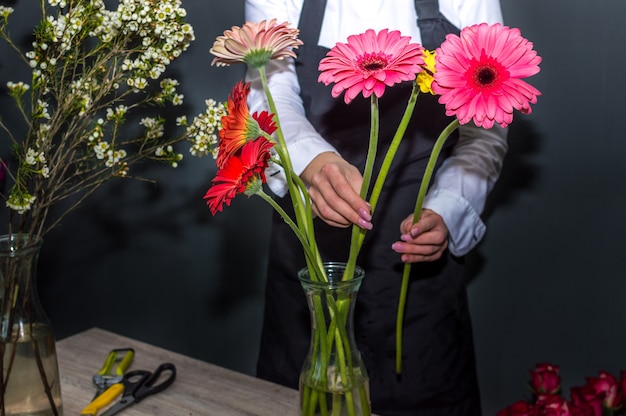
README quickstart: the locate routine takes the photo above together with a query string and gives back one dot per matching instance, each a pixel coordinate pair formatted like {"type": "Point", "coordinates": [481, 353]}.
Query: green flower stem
{"type": "Point", "coordinates": [358, 233]}
{"type": "Point", "coordinates": [319, 344]}
{"type": "Point", "coordinates": [320, 338]}
{"type": "Point", "coordinates": [306, 392]}
{"type": "Point", "coordinates": [302, 212]}
{"type": "Point", "coordinates": [372, 147]}
{"type": "Point", "coordinates": [345, 377]}
{"type": "Point", "coordinates": [327, 340]}
{"type": "Point", "coordinates": [430, 168]}
{"type": "Point", "coordinates": [308, 405]}
{"type": "Point", "coordinates": [393, 147]}
{"type": "Point", "coordinates": [365, 402]}
{"type": "Point", "coordinates": [303, 240]}
{"type": "Point", "coordinates": [317, 258]}
{"type": "Point", "coordinates": [335, 333]}
{"type": "Point", "coordinates": [279, 131]}
{"type": "Point", "coordinates": [345, 367]}
{"type": "Point", "coordinates": [307, 222]}
{"type": "Point", "coordinates": [337, 399]}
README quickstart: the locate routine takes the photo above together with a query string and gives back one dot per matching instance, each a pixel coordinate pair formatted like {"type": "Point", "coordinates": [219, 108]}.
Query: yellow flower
{"type": "Point", "coordinates": [425, 77]}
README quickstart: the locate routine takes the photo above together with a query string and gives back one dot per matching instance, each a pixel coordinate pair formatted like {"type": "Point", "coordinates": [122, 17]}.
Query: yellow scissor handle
{"type": "Point", "coordinates": [112, 358]}
{"type": "Point", "coordinates": [104, 399]}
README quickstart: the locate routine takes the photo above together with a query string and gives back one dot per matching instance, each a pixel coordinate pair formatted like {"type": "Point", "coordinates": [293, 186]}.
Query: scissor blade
{"type": "Point", "coordinates": [119, 406]}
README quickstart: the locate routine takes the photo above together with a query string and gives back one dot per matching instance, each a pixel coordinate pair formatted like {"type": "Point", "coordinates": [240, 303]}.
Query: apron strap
{"type": "Point", "coordinates": [433, 25]}
{"type": "Point", "coordinates": [313, 13]}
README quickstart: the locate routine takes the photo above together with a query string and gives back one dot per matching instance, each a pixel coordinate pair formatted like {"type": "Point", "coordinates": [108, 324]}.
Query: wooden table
{"type": "Point", "coordinates": [200, 389]}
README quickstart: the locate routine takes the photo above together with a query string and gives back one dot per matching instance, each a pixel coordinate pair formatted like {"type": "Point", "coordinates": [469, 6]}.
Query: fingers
{"type": "Point", "coordinates": [334, 191]}
{"type": "Point", "coordinates": [426, 240]}
{"type": "Point", "coordinates": [334, 197]}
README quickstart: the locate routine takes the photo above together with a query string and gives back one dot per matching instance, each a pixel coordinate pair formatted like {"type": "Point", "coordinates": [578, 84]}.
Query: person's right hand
{"type": "Point", "coordinates": [334, 186]}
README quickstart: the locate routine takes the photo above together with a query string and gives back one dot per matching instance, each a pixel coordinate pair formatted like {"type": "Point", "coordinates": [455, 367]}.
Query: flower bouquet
{"type": "Point", "coordinates": [91, 69]}
{"type": "Point", "coordinates": [603, 395]}
{"type": "Point", "coordinates": [478, 77]}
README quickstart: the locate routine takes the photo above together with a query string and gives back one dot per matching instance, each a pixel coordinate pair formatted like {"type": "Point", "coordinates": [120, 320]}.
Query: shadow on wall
{"type": "Point", "coordinates": [149, 261]}
{"type": "Point", "coordinates": [519, 174]}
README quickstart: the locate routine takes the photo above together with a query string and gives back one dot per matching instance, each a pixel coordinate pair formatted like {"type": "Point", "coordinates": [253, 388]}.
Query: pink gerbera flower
{"type": "Point", "coordinates": [479, 74]}
{"type": "Point", "coordinates": [369, 62]}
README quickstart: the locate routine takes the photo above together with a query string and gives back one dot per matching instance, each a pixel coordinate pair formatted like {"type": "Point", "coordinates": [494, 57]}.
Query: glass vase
{"type": "Point", "coordinates": [30, 383]}
{"type": "Point", "coordinates": [333, 380]}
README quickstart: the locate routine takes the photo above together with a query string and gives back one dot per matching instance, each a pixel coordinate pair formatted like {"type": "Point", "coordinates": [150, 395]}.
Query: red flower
{"type": "Point", "coordinates": [519, 408]}
{"type": "Point", "coordinates": [545, 379]}
{"type": "Point", "coordinates": [587, 394]}
{"type": "Point", "coordinates": [553, 405]}
{"type": "Point", "coordinates": [607, 386]}
{"type": "Point", "coordinates": [238, 126]}
{"type": "Point", "coordinates": [582, 409]}
{"type": "Point", "coordinates": [265, 121]}
{"type": "Point", "coordinates": [240, 174]}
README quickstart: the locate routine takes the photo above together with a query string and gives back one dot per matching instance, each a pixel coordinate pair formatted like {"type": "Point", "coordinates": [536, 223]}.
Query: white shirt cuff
{"type": "Point", "coordinates": [301, 152]}
{"type": "Point", "coordinates": [465, 226]}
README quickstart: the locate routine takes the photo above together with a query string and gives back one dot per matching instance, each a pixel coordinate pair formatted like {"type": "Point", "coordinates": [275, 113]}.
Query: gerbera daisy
{"type": "Point", "coordinates": [479, 74]}
{"type": "Point", "coordinates": [239, 175]}
{"type": "Point", "coordinates": [255, 44]}
{"type": "Point", "coordinates": [239, 126]}
{"type": "Point", "coordinates": [369, 62]}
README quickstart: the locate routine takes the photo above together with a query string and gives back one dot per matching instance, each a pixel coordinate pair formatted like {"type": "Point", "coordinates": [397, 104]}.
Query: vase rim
{"type": "Point", "coordinates": [359, 273]}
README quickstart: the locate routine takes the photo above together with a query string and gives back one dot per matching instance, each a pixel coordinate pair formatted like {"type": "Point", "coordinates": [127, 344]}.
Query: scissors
{"type": "Point", "coordinates": [109, 379]}
{"type": "Point", "coordinates": [111, 374]}
{"type": "Point", "coordinates": [139, 384]}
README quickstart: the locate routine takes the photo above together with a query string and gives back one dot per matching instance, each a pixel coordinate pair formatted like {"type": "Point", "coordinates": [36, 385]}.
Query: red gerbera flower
{"type": "Point", "coordinates": [479, 74]}
{"type": "Point", "coordinates": [238, 126]}
{"type": "Point", "coordinates": [369, 62]}
{"type": "Point", "coordinates": [265, 121]}
{"type": "Point", "coordinates": [239, 174]}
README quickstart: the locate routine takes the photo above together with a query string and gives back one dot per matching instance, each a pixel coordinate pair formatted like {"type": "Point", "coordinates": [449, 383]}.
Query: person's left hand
{"type": "Point", "coordinates": [425, 240]}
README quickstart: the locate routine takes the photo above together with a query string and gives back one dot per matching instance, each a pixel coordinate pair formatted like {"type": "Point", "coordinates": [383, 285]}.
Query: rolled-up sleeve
{"type": "Point", "coordinates": [462, 184]}
{"type": "Point", "coordinates": [302, 140]}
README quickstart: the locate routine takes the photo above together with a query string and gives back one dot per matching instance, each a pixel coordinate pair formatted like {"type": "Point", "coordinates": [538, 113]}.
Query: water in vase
{"type": "Point", "coordinates": [25, 393]}
{"type": "Point", "coordinates": [336, 398]}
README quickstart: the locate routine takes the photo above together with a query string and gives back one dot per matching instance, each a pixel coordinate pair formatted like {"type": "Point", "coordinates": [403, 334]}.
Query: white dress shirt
{"type": "Point", "coordinates": [461, 185]}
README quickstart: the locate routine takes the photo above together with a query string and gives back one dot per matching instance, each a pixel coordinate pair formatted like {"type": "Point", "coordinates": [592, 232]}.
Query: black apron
{"type": "Point", "coordinates": [439, 375]}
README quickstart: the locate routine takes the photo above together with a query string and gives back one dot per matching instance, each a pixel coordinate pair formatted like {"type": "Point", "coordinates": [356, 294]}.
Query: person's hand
{"type": "Point", "coordinates": [424, 241]}
{"type": "Point", "coordinates": [334, 186]}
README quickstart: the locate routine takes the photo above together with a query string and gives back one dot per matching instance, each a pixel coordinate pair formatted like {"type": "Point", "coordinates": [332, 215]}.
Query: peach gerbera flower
{"type": "Point", "coordinates": [479, 74]}
{"type": "Point", "coordinates": [255, 44]}
{"type": "Point", "coordinates": [369, 62]}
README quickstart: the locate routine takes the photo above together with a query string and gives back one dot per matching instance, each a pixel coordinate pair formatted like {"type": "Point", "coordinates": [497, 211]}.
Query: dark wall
{"type": "Point", "coordinates": [149, 261]}
{"type": "Point", "coordinates": [550, 283]}
{"type": "Point", "coordinates": [152, 262]}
